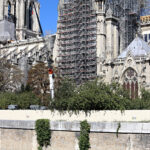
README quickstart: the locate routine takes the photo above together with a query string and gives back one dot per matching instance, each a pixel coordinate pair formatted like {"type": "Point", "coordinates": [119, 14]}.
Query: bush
{"type": "Point", "coordinates": [84, 143]}
{"type": "Point", "coordinates": [91, 96]}
{"type": "Point", "coordinates": [23, 100]}
{"type": "Point", "coordinates": [7, 99]}
{"type": "Point", "coordinates": [63, 93]}
{"type": "Point", "coordinates": [43, 132]}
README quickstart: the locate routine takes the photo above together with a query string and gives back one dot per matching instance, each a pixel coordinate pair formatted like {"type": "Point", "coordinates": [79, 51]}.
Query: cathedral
{"type": "Point", "coordinates": [104, 39]}
{"type": "Point", "coordinates": [91, 33]}
{"type": "Point", "coordinates": [131, 66]}
{"type": "Point", "coordinates": [21, 40]}
{"type": "Point", "coordinates": [24, 16]}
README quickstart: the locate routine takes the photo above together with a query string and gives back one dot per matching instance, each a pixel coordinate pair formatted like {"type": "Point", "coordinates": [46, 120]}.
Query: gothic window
{"type": "Point", "coordinates": [100, 5]}
{"type": "Point", "coordinates": [130, 82]}
{"type": "Point", "coordinates": [145, 37]}
{"type": "Point", "coordinates": [25, 14]}
{"type": "Point", "coordinates": [30, 16]}
{"type": "Point", "coordinates": [9, 9]}
{"type": "Point", "coordinates": [14, 13]}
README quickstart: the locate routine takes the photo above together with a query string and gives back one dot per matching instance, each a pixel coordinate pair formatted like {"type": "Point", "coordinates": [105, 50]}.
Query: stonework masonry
{"type": "Point", "coordinates": [103, 39]}
{"type": "Point", "coordinates": [18, 12]}
{"type": "Point", "coordinates": [22, 44]}
{"type": "Point", "coordinates": [27, 53]}
{"type": "Point", "coordinates": [133, 134]}
{"type": "Point", "coordinates": [92, 33]}
{"type": "Point", "coordinates": [16, 135]}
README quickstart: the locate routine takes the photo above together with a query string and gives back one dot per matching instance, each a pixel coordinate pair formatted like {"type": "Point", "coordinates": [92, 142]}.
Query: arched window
{"type": "Point", "coordinates": [15, 13]}
{"type": "Point", "coordinates": [9, 9]}
{"type": "Point", "coordinates": [30, 16]}
{"type": "Point", "coordinates": [25, 14]}
{"type": "Point", "coordinates": [130, 82]}
{"type": "Point", "coordinates": [100, 5]}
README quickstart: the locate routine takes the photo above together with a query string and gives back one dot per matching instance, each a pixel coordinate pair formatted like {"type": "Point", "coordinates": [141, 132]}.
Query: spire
{"type": "Point", "coordinates": [109, 12]}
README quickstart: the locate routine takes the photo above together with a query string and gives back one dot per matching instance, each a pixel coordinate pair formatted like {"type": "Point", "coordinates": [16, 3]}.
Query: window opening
{"type": "Point", "coordinates": [25, 8]}
{"type": "Point", "coordinates": [9, 10]}
{"type": "Point", "coordinates": [14, 17]}
{"type": "Point", "coordinates": [145, 37]}
{"type": "Point", "coordinates": [130, 82]}
{"type": "Point", "coordinates": [30, 16]}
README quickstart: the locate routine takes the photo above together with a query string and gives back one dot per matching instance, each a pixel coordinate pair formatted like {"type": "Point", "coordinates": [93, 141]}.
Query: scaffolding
{"type": "Point", "coordinates": [145, 12]}
{"type": "Point", "coordinates": [145, 8]}
{"type": "Point", "coordinates": [77, 40]}
{"type": "Point", "coordinates": [77, 34]}
{"type": "Point", "coordinates": [128, 14]}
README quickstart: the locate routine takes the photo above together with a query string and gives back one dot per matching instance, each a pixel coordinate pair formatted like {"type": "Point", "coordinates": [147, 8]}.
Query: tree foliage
{"type": "Point", "coordinates": [43, 132]}
{"type": "Point", "coordinates": [92, 95]}
{"type": "Point", "coordinates": [38, 81]}
{"type": "Point", "coordinates": [63, 94]}
{"type": "Point", "coordinates": [11, 77]}
{"type": "Point", "coordinates": [143, 102]}
{"type": "Point", "coordinates": [84, 143]}
{"type": "Point", "coordinates": [23, 100]}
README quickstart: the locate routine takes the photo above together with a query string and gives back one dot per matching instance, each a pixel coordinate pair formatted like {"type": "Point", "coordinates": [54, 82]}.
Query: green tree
{"type": "Point", "coordinates": [38, 81]}
{"type": "Point", "coordinates": [144, 102]}
{"type": "Point", "coordinates": [91, 95]}
{"type": "Point", "coordinates": [63, 93]}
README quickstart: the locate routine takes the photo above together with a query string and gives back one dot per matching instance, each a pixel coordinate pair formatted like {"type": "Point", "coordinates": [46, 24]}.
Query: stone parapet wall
{"type": "Point", "coordinates": [102, 127]}
{"type": "Point", "coordinates": [93, 116]}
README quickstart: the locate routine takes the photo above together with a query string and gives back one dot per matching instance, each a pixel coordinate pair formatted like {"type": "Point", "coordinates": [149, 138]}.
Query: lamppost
{"type": "Point", "coordinates": [51, 80]}
{"type": "Point", "coordinates": [50, 70]}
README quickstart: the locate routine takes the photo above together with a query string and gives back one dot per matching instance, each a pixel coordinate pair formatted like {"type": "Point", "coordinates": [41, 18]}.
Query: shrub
{"type": "Point", "coordinates": [84, 143]}
{"type": "Point", "coordinates": [7, 99]}
{"type": "Point", "coordinates": [43, 132]}
{"type": "Point", "coordinates": [63, 93]}
{"type": "Point", "coordinates": [92, 95]}
{"type": "Point", "coordinates": [25, 99]}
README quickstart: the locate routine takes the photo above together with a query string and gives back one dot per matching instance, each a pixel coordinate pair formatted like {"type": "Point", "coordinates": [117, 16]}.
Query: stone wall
{"type": "Point", "coordinates": [16, 135]}
{"type": "Point", "coordinates": [93, 116]}
{"type": "Point", "coordinates": [17, 139]}
{"type": "Point", "coordinates": [19, 133]}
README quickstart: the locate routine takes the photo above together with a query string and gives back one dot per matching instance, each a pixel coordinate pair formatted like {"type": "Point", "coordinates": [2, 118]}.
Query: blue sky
{"type": "Point", "coordinates": [48, 15]}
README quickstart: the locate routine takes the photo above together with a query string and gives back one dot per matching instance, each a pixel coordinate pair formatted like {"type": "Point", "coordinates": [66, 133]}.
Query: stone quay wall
{"type": "Point", "coordinates": [17, 130]}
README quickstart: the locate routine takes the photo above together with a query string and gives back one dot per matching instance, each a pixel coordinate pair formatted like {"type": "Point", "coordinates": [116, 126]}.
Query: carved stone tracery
{"type": "Point", "coordinates": [130, 82]}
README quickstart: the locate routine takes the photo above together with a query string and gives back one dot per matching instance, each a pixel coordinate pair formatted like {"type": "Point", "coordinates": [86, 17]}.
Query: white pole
{"type": "Point", "coordinates": [51, 85]}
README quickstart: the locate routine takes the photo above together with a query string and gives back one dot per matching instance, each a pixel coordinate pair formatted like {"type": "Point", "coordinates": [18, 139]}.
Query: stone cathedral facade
{"type": "Point", "coordinates": [95, 39]}
{"type": "Point", "coordinates": [23, 14]}
{"type": "Point", "coordinates": [21, 42]}
{"type": "Point", "coordinates": [91, 33]}
{"type": "Point", "coordinates": [103, 39]}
